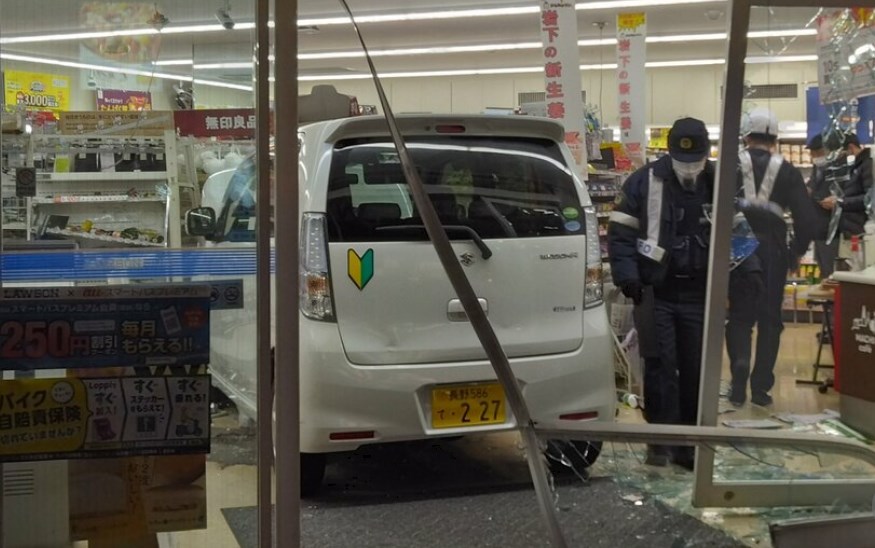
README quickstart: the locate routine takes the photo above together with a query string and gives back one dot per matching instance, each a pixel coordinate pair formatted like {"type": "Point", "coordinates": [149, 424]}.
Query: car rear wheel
{"type": "Point", "coordinates": [312, 473]}
{"type": "Point", "coordinates": [580, 455]}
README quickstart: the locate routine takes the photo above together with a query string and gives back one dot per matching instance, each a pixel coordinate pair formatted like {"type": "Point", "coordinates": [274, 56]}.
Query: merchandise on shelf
{"type": "Point", "coordinates": [101, 191]}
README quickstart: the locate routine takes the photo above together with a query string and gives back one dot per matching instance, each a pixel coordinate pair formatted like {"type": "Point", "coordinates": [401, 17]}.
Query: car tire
{"type": "Point", "coordinates": [312, 473]}
{"type": "Point", "coordinates": [581, 454]}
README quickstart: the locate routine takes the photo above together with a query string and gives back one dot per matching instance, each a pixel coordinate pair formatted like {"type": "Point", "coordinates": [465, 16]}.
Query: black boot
{"type": "Point", "coordinates": [658, 455]}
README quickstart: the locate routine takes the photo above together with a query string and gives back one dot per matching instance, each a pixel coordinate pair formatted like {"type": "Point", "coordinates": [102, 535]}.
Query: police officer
{"type": "Point", "coordinates": [819, 189]}
{"type": "Point", "coordinates": [770, 186]}
{"type": "Point", "coordinates": [658, 241]}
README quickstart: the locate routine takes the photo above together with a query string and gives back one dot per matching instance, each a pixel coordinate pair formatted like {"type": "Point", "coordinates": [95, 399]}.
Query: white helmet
{"type": "Point", "coordinates": [761, 121]}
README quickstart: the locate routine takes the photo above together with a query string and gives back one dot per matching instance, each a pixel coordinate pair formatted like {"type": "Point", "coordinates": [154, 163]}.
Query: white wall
{"type": "Point", "coordinates": [672, 92]}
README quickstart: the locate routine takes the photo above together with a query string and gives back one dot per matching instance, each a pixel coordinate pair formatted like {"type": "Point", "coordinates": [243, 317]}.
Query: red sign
{"type": "Point", "coordinates": [118, 100]}
{"type": "Point", "coordinates": [237, 123]}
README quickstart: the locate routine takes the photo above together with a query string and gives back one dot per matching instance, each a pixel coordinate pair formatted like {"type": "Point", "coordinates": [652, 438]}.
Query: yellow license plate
{"type": "Point", "coordinates": [462, 405]}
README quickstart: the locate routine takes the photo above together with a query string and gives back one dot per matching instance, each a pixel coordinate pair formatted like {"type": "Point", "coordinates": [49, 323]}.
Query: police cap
{"type": "Point", "coordinates": [688, 140]}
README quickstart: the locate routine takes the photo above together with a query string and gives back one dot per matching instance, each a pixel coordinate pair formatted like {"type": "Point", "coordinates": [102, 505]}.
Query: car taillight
{"type": "Point", "coordinates": [594, 291]}
{"type": "Point", "coordinates": [315, 289]}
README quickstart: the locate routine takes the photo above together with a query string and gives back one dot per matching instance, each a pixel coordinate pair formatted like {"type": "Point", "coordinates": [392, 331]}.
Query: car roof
{"type": "Point", "coordinates": [422, 125]}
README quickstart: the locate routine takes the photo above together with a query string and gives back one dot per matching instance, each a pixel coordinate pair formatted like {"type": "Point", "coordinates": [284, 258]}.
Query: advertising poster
{"type": "Point", "coordinates": [146, 123]}
{"type": "Point", "coordinates": [37, 91]}
{"type": "Point", "coordinates": [72, 418]}
{"type": "Point", "coordinates": [631, 79]}
{"type": "Point", "coordinates": [119, 100]}
{"type": "Point", "coordinates": [104, 326]}
{"type": "Point", "coordinates": [128, 498]}
{"type": "Point", "coordinates": [562, 81]}
{"type": "Point", "coordinates": [845, 54]}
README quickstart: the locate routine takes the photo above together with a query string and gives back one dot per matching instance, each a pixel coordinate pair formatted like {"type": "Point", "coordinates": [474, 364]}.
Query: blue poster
{"type": "Point", "coordinates": [104, 326]}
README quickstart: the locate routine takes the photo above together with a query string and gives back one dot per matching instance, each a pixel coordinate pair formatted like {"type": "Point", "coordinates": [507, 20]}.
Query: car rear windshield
{"type": "Point", "coordinates": [498, 187]}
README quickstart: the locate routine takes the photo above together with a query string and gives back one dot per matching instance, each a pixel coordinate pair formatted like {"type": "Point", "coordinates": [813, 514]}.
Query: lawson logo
{"type": "Point", "coordinates": [360, 267]}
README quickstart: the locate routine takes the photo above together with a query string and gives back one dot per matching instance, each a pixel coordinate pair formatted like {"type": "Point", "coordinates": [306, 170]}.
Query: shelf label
{"type": "Point", "coordinates": [68, 418]}
{"type": "Point", "coordinates": [104, 326]}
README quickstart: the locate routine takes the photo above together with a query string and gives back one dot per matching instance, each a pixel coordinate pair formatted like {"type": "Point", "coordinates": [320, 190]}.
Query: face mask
{"type": "Point", "coordinates": [688, 172]}
{"type": "Point", "coordinates": [819, 162]}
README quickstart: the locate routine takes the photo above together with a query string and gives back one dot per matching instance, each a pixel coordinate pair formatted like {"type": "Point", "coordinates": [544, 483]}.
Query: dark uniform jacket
{"type": "Point", "coordinates": [634, 256]}
{"type": "Point", "coordinates": [788, 193]}
{"type": "Point", "coordinates": [853, 204]}
{"type": "Point", "coordinates": [819, 189]}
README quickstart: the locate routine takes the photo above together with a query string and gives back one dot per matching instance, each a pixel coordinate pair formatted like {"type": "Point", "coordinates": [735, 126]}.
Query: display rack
{"type": "Point", "coordinates": [603, 187]}
{"type": "Point", "coordinates": [100, 190]}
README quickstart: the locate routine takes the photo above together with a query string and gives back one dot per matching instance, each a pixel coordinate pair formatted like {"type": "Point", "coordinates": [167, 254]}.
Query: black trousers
{"type": "Point", "coordinates": [749, 306]}
{"type": "Point", "coordinates": [672, 372]}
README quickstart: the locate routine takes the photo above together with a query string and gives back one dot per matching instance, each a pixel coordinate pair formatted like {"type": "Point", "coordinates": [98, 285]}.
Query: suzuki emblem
{"type": "Point", "coordinates": [466, 259]}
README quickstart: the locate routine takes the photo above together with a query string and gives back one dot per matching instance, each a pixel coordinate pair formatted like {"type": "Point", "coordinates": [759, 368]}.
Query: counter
{"type": "Point", "coordinates": [855, 351]}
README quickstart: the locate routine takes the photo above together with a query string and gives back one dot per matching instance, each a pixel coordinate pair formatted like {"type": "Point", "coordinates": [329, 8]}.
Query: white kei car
{"type": "Point", "coordinates": [387, 353]}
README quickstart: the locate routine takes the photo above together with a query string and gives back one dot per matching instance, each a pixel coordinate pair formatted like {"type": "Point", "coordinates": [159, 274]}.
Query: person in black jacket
{"type": "Point", "coordinates": [770, 186]}
{"type": "Point", "coordinates": [853, 215]}
{"type": "Point", "coordinates": [658, 241]}
{"type": "Point", "coordinates": [819, 189]}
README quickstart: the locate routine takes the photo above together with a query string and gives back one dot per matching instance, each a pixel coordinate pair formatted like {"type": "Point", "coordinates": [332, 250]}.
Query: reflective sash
{"type": "Point", "coordinates": [766, 186]}
{"type": "Point", "coordinates": [650, 247]}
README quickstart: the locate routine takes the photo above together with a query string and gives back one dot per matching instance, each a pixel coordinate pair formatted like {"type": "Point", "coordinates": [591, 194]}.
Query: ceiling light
{"type": "Point", "coordinates": [172, 62]}
{"type": "Point", "coordinates": [780, 59]}
{"type": "Point", "coordinates": [119, 70]}
{"type": "Point", "coordinates": [521, 70]}
{"type": "Point", "coordinates": [182, 29]}
{"type": "Point", "coordinates": [493, 12]}
{"type": "Point", "coordinates": [782, 33]}
{"type": "Point", "coordinates": [223, 66]}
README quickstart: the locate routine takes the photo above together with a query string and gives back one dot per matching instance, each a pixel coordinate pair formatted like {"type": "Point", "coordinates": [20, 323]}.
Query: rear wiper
{"type": "Point", "coordinates": [478, 241]}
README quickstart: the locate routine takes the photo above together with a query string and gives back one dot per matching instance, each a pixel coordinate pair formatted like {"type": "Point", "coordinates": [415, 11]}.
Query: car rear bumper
{"type": "Point", "coordinates": [394, 402]}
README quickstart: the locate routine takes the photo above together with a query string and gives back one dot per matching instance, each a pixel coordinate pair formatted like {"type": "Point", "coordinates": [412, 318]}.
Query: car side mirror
{"type": "Point", "coordinates": [200, 221]}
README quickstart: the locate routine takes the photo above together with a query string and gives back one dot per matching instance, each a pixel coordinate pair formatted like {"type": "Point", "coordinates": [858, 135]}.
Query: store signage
{"type": "Point", "coordinates": [562, 75]}
{"type": "Point", "coordinates": [145, 123]}
{"type": "Point", "coordinates": [67, 418]}
{"type": "Point", "coordinates": [631, 81]}
{"type": "Point", "coordinates": [119, 100]}
{"type": "Point", "coordinates": [37, 91]}
{"type": "Point", "coordinates": [857, 331]}
{"type": "Point", "coordinates": [233, 123]}
{"type": "Point", "coordinates": [104, 326]}
{"type": "Point", "coordinates": [845, 54]}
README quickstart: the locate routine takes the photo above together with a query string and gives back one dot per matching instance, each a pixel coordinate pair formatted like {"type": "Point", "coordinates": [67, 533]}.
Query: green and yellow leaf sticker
{"type": "Point", "coordinates": [361, 269]}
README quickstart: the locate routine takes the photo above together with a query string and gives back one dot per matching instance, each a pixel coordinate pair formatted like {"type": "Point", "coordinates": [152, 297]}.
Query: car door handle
{"type": "Point", "coordinates": [456, 313]}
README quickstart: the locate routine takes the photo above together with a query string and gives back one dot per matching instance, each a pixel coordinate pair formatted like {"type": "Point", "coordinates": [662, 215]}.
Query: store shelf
{"type": "Point", "coordinates": [107, 176]}
{"type": "Point", "coordinates": [91, 199]}
{"type": "Point", "coordinates": [15, 226]}
{"type": "Point", "coordinates": [112, 239]}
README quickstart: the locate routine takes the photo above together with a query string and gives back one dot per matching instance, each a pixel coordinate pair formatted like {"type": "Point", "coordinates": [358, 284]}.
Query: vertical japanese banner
{"type": "Point", "coordinates": [631, 56]}
{"type": "Point", "coordinates": [562, 75]}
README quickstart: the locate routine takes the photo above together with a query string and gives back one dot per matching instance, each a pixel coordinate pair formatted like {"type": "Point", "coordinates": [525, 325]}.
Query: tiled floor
{"type": "Point", "coordinates": [234, 485]}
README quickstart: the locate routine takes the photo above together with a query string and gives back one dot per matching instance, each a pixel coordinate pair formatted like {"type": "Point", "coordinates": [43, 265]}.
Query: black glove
{"type": "Point", "coordinates": [633, 289]}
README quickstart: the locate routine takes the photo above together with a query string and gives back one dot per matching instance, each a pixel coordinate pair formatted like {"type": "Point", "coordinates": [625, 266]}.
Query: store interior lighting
{"type": "Point", "coordinates": [383, 18]}
{"type": "Point", "coordinates": [444, 50]}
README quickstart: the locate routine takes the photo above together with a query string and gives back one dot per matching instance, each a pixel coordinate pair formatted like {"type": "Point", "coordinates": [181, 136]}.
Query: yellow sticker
{"type": "Point", "coordinates": [630, 21]}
